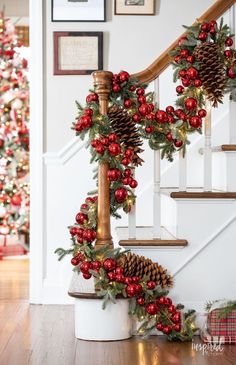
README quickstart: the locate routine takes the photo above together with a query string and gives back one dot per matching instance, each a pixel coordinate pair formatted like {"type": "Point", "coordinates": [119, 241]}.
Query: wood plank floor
{"type": "Point", "coordinates": [44, 335]}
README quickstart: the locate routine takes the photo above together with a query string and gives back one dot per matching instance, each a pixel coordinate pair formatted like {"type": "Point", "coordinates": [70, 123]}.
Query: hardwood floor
{"type": "Point", "coordinates": [44, 335]}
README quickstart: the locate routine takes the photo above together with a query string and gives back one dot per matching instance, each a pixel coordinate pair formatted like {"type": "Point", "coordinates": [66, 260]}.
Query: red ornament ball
{"type": "Point", "coordinates": [85, 267]}
{"type": "Point", "coordinates": [161, 116]}
{"type": "Point", "coordinates": [229, 42]}
{"type": "Point", "coordinates": [170, 109]}
{"type": "Point", "coordinates": [197, 83]}
{"type": "Point", "coordinates": [152, 308]}
{"type": "Point", "coordinates": [142, 99]}
{"type": "Point", "coordinates": [74, 261]}
{"type": "Point", "coordinates": [125, 161]}
{"type": "Point", "coordinates": [231, 72]}
{"type": "Point", "coordinates": [112, 137]}
{"type": "Point", "coordinates": [100, 149]}
{"type": "Point", "coordinates": [140, 301]}
{"type": "Point", "coordinates": [128, 173]}
{"type": "Point", "coordinates": [166, 330]}
{"type": "Point", "coordinates": [186, 82]}
{"type": "Point", "coordinates": [202, 36]}
{"type": "Point", "coordinates": [151, 284]}
{"type": "Point", "coordinates": [190, 59]}
{"type": "Point", "coordinates": [109, 264]}
{"type": "Point", "coordinates": [73, 231]}
{"type": "Point", "coordinates": [116, 88]}
{"type": "Point", "coordinates": [202, 113]}
{"type": "Point", "coordinates": [81, 218]}
{"type": "Point", "coordinates": [127, 103]}
{"type": "Point", "coordinates": [195, 122]}
{"type": "Point", "coordinates": [119, 270]}
{"type": "Point", "coordinates": [133, 184]}
{"type": "Point", "coordinates": [169, 137]}
{"type": "Point", "coordinates": [123, 76]}
{"type": "Point", "coordinates": [177, 327]}
{"type": "Point", "coordinates": [182, 73]}
{"type": "Point", "coordinates": [178, 143]}
{"type": "Point", "coordinates": [205, 27]}
{"type": "Point", "coordinates": [111, 275]}
{"type": "Point", "coordinates": [192, 73]}
{"type": "Point", "coordinates": [159, 326]}
{"type": "Point", "coordinates": [114, 149]}
{"type": "Point", "coordinates": [96, 265]}
{"type": "Point", "coordinates": [143, 109]}
{"type": "Point", "coordinates": [92, 97]}
{"type": "Point", "coordinates": [179, 89]}
{"type": "Point", "coordinates": [184, 53]}
{"type": "Point", "coordinates": [131, 290]}
{"type": "Point", "coordinates": [136, 118]}
{"type": "Point", "coordinates": [149, 129]}
{"type": "Point", "coordinates": [87, 276]}
{"type": "Point", "coordinates": [121, 194]}
{"type": "Point", "coordinates": [190, 104]}
{"type": "Point", "coordinates": [140, 91]}
{"type": "Point", "coordinates": [228, 53]}
{"type": "Point", "coordinates": [114, 174]}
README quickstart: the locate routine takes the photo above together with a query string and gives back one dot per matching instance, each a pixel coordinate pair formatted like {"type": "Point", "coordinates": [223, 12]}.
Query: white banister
{"type": "Point", "coordinates": [232, 105]}
{"type": "Point", "coordinates": [156, 180]}
{"type": "Point", "coordinates": [182, 171]}
{"type": "Point", "coordinates": [207, 151]}
{"type": "Point", "coordinates": [132, 221]}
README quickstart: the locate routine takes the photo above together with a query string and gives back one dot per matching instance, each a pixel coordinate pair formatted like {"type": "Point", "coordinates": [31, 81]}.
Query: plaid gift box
{"type": "Point", "coordinates": [217, 326]}
{"type": "Point", "coordinates": [207, 338]}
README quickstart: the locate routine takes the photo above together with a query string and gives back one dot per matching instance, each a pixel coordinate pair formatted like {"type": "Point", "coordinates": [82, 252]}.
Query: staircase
{"type": "Point", "coordinates": [193, 200]}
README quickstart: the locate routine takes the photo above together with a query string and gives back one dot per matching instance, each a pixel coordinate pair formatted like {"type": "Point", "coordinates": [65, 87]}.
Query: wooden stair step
{"type": "Point", "coordinates": [203, 195]}
{"type": "Point", "coordinates": [153, 243]}
{"type": "Point", "coordinates": [228, 147]}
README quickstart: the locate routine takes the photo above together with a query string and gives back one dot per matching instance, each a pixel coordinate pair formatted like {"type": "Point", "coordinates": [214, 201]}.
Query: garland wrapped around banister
{"type": "Point", "coordinates": [205, 65]}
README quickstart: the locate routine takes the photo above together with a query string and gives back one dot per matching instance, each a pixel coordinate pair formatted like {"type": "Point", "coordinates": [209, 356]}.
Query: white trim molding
{"type": "Point", "coordinates": [65, 154]}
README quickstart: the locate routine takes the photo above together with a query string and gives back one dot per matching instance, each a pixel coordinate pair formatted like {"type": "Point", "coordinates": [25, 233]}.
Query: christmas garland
{"type": "Point", "coordinates": [116, 138]}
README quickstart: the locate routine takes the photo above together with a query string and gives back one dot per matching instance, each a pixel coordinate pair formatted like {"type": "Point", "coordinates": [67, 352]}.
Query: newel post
{"type": "Point", "coordinates": [102, 83]}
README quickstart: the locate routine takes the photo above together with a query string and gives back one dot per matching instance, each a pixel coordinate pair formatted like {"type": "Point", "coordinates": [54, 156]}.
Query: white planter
{"type": "Point", "coordinates": [95, 324]}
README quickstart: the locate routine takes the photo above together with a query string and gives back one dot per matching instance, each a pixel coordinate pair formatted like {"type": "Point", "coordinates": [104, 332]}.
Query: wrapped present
{"type": "Point", "coordinates": [221, 325]}
{"type": "Point", "coordinates": [207, 338]}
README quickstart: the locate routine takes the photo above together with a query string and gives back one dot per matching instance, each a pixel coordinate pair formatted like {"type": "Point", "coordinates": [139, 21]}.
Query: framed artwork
{"type": "Point", "coordinates": [77, 53]}
{"type": "Point", "coordinates": [78, 10]}
{"type": "Point", "coordinates": [134, 7]}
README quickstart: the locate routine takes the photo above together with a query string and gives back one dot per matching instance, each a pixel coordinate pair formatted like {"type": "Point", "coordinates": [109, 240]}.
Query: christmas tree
{"type": "Point", "coordinates": [14, 134]}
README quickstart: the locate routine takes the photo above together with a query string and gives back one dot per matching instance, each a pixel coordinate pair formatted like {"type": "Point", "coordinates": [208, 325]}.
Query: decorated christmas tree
{"type": "Point", "coordinates": [14, 134]}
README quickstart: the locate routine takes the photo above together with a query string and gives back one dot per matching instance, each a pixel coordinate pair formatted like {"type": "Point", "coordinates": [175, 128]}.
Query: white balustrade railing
{"type": "Point", "coordinates": [207, 175]}
{"type": "Point", "coordinates": [232, 106]}
{"type": "Point", "coordinates": [182, 171]}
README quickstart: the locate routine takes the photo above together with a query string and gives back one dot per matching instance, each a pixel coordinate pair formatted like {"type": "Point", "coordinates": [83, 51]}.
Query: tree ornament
{"type": "Point", "coordinates": [149, 129]}
{"type": "Point", "coordinates": [192, 73]}
{"type": "Point", "coordinates": [152, 308]}
{"type": "Point", "coordinates": [170, 109]}
{"type": "Point", "coordinates": [140, 91]}
{"type": "Point", "coordinates": [121, 194]}
{"type": "Point", "coordinates": [85, 267]}
{"type": "Point", "coordinates": [231, 72]}
{"type": "Point", "coordinates": [202, 113]}
{"type": "Point", "coordinates": [184, 53]}
{"type": "Point", "coordinates": [159, 327]}
{"type": "Point", "coordinates": [190, 59]}
{"type": "Point", "coordinates": [161, 116]}
{"type": "Point", "coordinates": [195, 121]}
{"type": "Point", "coordinates": [178, 143]}
{"type": "Point", "coordinates": [123, 76]}
{"type": "Point", "coordinates": [109, 264]}
{"type": "Point", "coordinates": [114, 174]}
{"type": "Point", "coordinates": [116, 88]}
{"type": "Point", "coordinates": [229, 42]}
{"type": "Point", "coordinates": [205, 27]}
{"type": "Point", "coordinates": [111, 275]}
{"type": "Point", "coordinates": [127, 103]}
{"type": "Point", "coordinates": [136, 118]}
{"type": "Point", "coordinates": [140, 301]}
{"type": "Point", "coordinates": [114, 149]}
{"type": "Point", "coordinates": [16, 200]}
{"type": "Point", "coordinates": [151, 285]}
{"type": "Point", "coordinates": [133, 184]}
{"type": "Point", "coordinates": [143, 109]}
{"type": "Point", "coordinates": [185, 82]}
{"type": "Point", "coordinates": [131, 290]}
{"type": "Point", "coordinates": [81, 218]}
{"type": "Point", "coordinates": [180, 89]}
{"type": "Point", "coordinates": [74, 261]}
{"type": "Point", "coordinates": [166, 330]}
{"type": "Point", "coordinates": [169, 136]}
{"type": "Point", "coordinates": [202, 36]}
{"type": "Point", "coordinates": [197, 83]}
{"type": "Point", "coordinates": [190, 104]}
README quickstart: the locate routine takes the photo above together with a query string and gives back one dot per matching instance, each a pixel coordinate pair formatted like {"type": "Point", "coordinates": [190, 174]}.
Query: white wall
{"type": "Point", "coordinates": [15, 8]}
{"type": "Point", "coordinates": [130, 43]}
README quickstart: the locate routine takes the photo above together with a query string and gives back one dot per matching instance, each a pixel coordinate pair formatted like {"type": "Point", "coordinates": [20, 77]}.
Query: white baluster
{"type": "Point", "coordinates": [208, 152]}
{"type": "Point", "coordinates": [182, 171]}
{"type": "Point", "coordinates": [232, 105]}
{"type": "Point", "coordinates": [157, 180]}
{"type": "Point", "coordinates": [132, 221]}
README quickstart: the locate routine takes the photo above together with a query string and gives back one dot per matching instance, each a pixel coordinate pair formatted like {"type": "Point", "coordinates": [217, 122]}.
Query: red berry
{"type": "Point", "coordinates": [166, 330]}
{"type": "Point", "coordinates": [152, 308]}
{"type": "Point", "coordinates": [142, 99]}
{"type": "Point", "coordinates": [176, 317]}
{"type": "Point", "coordinates": [132, 88]}
{"type": "Point", "coordinates": [74, 261]}
{"type": "Point", "coordinates": [123, 76]}
{"type": "Point", "coordinates": [125, 161]}
{"type": "Point", "coordinates": [104, 140]}
{"type": "Point", "coordinates": [186, 82]}
{"type": "Point", "coordinates": [81, 218]}
{"type": "Point", "coordinates": [150, 116]}
{"type": "Point", "coordinates": [140, 91]}
{"type": "Point", "coordinates": [92, 97]}
{"type": "Point", "coordinates": [181, 40]}
{"type": "Point", "coordinates": [202, 113]}
{"type": "Point", "coordinates": [182, 73]}
{"type": "Point", "coordinates": [136, 118]}
{"type": "Point", "coordinates": [85, 267]}
{"type": "Point", "coordinates": [177, 327]}
{"type": "Point", "coordinates": [87, 276]}
{"type": "Point", "coordinates": [127, 103]}
{"type": "Point", "coordinates": [231, 73]}
{"type": "Point", "coordinates": [111, 275]}
{"type": "Point", "coordinates": [116, 88]}
{"type": "Point", "coordinates": [229, 42]}
{"type": "Point", "coordinates": [143, 109]}
{"type": "Point", "coordinates": [129, 153]}
{"type": "Point", "coordinates": [159, 326]}
{"type": "Point", "coordinates": [140, 300]}
{"type": "Point", "coordinates": [179, 89]}
{"type": "Point", "coordinates": [204, 27]}
{"type": "Point", "coordinates": [133, 184]}
{"type": "Point", "coordinates": [100, 149]}
{"type": "Point", "coordinates": [202, 36]}
{"type": "Point", "coordinates": [131, 290]}
{"type": "Point", "coordinates": [109, 264]}
{"type": "Point", "coordinates": [212, 30]}
{"type": "Point", "coordinates": [73, 231]}
{"type": "Point", "coordinates": [127, 173]}
{"type": "Point", "coordinates": [135, 279]}
{"type": "Point", "coordinates": [161, 116]}
{"type": "Point", "coordinates": [177, 59]}
{"type": "Point", "coordinates": [88, 111]}
{"type": "Point", "coordinates": [190, 59]}
{"type": "Point", "coordinates": [172, 309]}
{"type": "Point", "coordinates": [80, 240]}
{"type": "Point", "coordinates": [112, 137]}
{"type": "Point", "coordinates": [120, 278]}
{"type": "Point", "coordinates": [96, 265]}
{"type": "Point", "coordinates": [119, 270]}
{"type": "Point", "coordinates": [84, 207]}
{"type": "Point", "coordinates": [161, 300]}
{"type": "Point", "coordinates": [228, 53]}
{"type": "Point", "coordinates": [139, 288]}
{"type": "Point", "coordinates": [126, 180]}
{"type": "Point", "coordinates": [114, 149]}
{"type": "Point", "coordinates": [149, 129]}
{"type": "Point", "coordinates": [178, 143]}
{"type": "Point", "coordinates": [114, 174]}
{"type": "Point", "coordinates": [169, 137]}
{"type": "Point", "coordinates": [192, 73]}
{"type": "Point", "coordinates": [197, 83]}
{"type": "Point", "coordinates": [195, 122]}
{"type": "Point", "coordinates": [121, 194]}
{"type": "Point", "coordinates": [190, 104]}
{"type": "Point", "coordinates": [128, 280]}
{"type": "Point", "coordinates": [212, 23]}
{"type": "Point", "coordinates": [184, 53]}
{"type": "Point", "coordinates": [170, 109]}
{"type": "Point", "coordinates": [80, 232]}
{"type": "Point", "coordinates": [151, 285]}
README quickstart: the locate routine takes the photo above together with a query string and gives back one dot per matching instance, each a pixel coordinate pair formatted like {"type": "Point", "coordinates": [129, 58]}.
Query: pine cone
{"type": "Point", "coordinates": [125, 128]}
{"type": "Point", "coordinates": [211, 71]}
{"type": "Point", "coordinates": [140, 266]}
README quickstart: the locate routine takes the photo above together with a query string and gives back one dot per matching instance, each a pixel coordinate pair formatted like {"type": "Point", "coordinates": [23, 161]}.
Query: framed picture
{"type": "Point", "coordinates": [134, 7]}
{"type": "Point", "coordinates": [77, 53]}
{"type": "Point", "coordinates": [78, 10]}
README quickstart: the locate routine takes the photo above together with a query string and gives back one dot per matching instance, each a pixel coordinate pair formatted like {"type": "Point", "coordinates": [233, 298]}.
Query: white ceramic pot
{"type": "Point", "coordinates": [95, 324]}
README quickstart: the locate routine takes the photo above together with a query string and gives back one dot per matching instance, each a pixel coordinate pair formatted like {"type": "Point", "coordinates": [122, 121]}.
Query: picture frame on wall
{"type": "Point", "coordinates": [134, 7]}
{"type": "Point", "coordinates": [78, 10]}
{"type": "Point", "coordinates": [77, 53]}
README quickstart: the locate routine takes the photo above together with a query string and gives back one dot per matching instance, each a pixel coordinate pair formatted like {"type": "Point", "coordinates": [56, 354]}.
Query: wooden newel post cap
{"type": "Point", "coordinates": [102, 81]}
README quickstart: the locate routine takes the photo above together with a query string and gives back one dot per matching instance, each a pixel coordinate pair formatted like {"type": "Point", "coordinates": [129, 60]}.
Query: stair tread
{"type": "Point", "coordinates": [228, 147]}
{"type": "Point", "coordinates": [153, 243]}
{"type": "Point", "coordinates": [203, 195]}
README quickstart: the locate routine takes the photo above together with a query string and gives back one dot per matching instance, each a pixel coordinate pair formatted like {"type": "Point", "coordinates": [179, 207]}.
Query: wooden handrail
{"type": "Point", "coordinates": [162, 62]}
